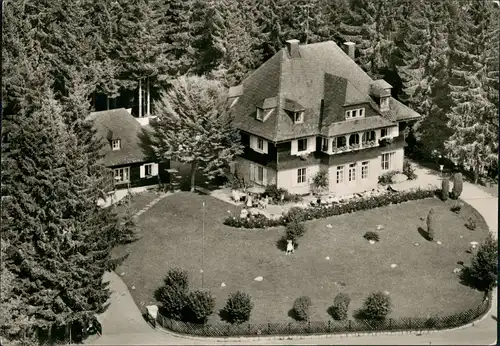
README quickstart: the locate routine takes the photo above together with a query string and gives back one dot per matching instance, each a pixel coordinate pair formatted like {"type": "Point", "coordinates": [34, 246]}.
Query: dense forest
{"type": "Point", "coordinates": [63, 59]}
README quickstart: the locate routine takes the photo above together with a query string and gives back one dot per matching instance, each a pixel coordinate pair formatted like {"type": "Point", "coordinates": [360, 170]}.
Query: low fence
{"type": "Point", "coordinates": [325, 327]}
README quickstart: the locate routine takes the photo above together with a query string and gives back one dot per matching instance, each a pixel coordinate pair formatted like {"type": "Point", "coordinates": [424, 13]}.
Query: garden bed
{"type": "Point", "coordinates": [174, 236]}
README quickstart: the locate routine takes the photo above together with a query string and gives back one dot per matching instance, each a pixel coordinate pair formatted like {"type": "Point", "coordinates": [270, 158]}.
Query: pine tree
{"type": "Point", "coordinates": [233, 51]}
{"type": "Point", "coordinates": [194, 127]}
{"type": "Point", "coordinates": [179, 36]}
{"type": "Point", "coordinates": [422, 65]}
{"type": "Point", "coordinates": [474, 143]}
{"type": "Point", "coordinates": [366, 23]}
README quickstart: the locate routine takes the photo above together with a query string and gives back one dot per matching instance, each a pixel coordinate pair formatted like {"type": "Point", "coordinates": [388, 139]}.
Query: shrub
{"type": "Point", "coordinates": [431, 224]}
{"type": "Point", "coordinates": [471, 224]}
{"type": "Point", "coordinates": [457, 186]}
{"type": "Point", "coordinates": [386, 178]}
{"type": "Point", "coordinates": [238, 307]}
{"type": "Point", "coordinates": [199, 305]}
{"type": "Point", "coordinates": [377, 306]}
{"type": "Point", "coordinates": [320, 181]}
{"type": "Point", "coordinates": [371, 236]}
{"type": "Point", "coordinates": [177, 277]}
{"type": "Point", "coordinates": [340, 306]}
{"type": "Point", "coordinates": [296, 214]}
{"type": "Point", "coordinates": [320, 212]}
{"type": "Point", "coordinates": [274, 192]}
{"type": "Point", "coordinates": [290, 197]}
{"type": "Point", "coordinates": [408, 170]}
{"type": "Point", "coordinates": [456, 208]}
{"type": "Point", "coordinates": [445, 189]}
{"type": "Point", "coordinates": [483, 270]}
{"type": "Point", "coordinates": [301, 308]}
{"type": "Point", "coordinates": [295, 230]}
{"type": "Point", "coordinates": [172, 300]}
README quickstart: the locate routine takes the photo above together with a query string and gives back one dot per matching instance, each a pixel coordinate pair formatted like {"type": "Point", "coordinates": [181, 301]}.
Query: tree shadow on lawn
{"type": "Point", "coordinates": [282, 242]}
{"type": "Point", "coordinates": [424, 233]}
{"type": "Point", "coordinates": [293, 314]}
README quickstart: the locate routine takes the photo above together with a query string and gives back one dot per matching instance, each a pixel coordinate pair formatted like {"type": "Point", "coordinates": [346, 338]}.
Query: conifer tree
{"type": "Point", "coordinates": [473, 116]}
{"type": "Point", "coordinates": [179, 36]}
{"type": "Point", "coordinates": [194, 127]}
{"type": "Point", "coordinates": [366, 24]}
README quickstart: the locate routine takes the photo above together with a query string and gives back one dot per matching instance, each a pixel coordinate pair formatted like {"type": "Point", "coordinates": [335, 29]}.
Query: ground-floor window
{"type": "Point", "coordinates": [387, 161]}
{"type": "Point", "coordinates": [352, 172]}
{"type": "Point", "coordinates": [301, 175]}
{"type": "Point", "coordinates": [122, 175]}
{"type": "Point", "coordinates": [258, 174]}
{"type": "Point", "coordinates": [364, 170]}
{"type": "Point", "coordinates": [148, 169]}
{"type": "Point", "coordinates": [340, 174]}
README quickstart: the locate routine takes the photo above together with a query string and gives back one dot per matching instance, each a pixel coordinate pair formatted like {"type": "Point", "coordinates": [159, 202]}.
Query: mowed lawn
{"type": "Point", "coordinates": [422, 284]}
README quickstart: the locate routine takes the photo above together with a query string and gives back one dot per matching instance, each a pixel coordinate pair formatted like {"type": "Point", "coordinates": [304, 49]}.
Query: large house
{"type": "Point", "coordinates": [125, 149]}
{"type": "Point", "coordinates": [311, 108]}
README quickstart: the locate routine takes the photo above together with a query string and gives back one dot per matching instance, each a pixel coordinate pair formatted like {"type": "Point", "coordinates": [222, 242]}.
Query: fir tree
{"type": "Point", "coordinates": [366, 24]}
{"type": "Point", "coordinates": [60, 239]}
{"type": "Point", "coordinates": [179, 36]}
{"type": "Point", "coordinates": [194, 127]}
{"type": "Point", "coordinates": [474, 143]}
{"type": "Point", "coordinates": [422, 65]}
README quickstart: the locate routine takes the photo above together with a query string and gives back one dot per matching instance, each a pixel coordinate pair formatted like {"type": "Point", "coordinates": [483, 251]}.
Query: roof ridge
{"type": "Point", "coordinates": [278, 104]}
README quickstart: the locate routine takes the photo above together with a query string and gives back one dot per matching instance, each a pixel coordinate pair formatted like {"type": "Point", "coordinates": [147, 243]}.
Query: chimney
{"type": "Point", "coordinates": [293, 48]}
{"type": "Point", "coordinates": [349, 49]}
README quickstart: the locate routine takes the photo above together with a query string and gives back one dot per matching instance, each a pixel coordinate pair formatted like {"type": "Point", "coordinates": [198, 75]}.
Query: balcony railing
{"type": "Point", "coordinates": [347, 148]}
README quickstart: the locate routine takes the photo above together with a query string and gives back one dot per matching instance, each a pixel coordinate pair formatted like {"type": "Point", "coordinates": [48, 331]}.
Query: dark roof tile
{"type": "Point", "coordinates": [123, 126]}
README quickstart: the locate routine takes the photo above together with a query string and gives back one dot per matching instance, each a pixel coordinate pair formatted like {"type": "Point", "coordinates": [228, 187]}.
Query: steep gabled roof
{"type": "Point", "coordinates": [305, 80]}
{"type": "Point", "coordinates": [121, 125]}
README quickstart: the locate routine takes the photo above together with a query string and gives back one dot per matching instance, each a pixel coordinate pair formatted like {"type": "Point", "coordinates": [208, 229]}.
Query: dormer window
{"type": "Point", "coordinates": [384, 103]}
{"type": "Point", "coordinates": [260, 114]}
{"type": "Point", "coordinates": [298, 117]}
{"type": "Point", "coordinates": [116, 144]}
{"type": "Point", "coordinates": [263, 114]}
{"type": "Point", "coordinates": [355, 113]}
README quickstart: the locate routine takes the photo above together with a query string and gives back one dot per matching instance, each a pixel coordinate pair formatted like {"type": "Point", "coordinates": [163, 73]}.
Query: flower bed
{"type": "Point", "coordinates": [319, 212]}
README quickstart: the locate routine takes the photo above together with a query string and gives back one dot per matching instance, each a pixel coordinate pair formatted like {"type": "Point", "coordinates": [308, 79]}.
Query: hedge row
{"type": "Point", "coordinates": [319, 212]}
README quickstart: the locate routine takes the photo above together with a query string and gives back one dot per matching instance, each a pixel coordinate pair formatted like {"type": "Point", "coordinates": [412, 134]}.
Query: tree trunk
{"type": "Point", "coordinates": [476, 173]}
{"type": "Point", "coordinates": [140, 98]}
{"type": "Point", "coordinates": [148, 100]}
{"type": "Point", "coordinates": [107, 102]}
{"type": "Point", "coordinates": [193, 175]}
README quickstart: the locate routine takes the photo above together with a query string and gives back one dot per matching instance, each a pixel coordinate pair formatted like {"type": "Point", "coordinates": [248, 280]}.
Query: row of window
{"type": "Point", "coordinates": [387, 161]}
{"type": "Point", "coordinates": [338, 142]}
{"type": "Point", "coordinates": [355, 113]}
{"type": "Point", "coordinates": [122, 175]}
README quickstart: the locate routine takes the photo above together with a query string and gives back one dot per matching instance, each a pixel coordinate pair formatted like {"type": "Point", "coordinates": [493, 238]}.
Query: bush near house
{"type": "Point", "coordinates": [275, 194]}
{"type": "Point", "coordinates": [319, 212]}
{"type": "Point", "coordinates": [238, 308]}
{"type": "Point", "coordinates": [320, 182]}
{"type": "Point", "coordinates": [431, 224]}
{"type": "Point", "coordinates": [408, 170]}
{"type": "Point", "coordinates": [457, 186]}
{"type": "Point", "coordinates": [386, 178]}
{"type": "Point", "coordinates": [376, 306]}
{"type": "Point", "coordinates": [340, 306]}
{"type": "Point", "coordinates": [301, 308]}
{"type": "Point", "coordinates": [445, 189]}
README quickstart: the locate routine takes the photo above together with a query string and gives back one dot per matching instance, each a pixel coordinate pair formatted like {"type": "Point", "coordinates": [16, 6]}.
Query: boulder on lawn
{"type": "Point", "coordinates": [399, 178]}
{"type": "Point", "coordinates": [259, 278]}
